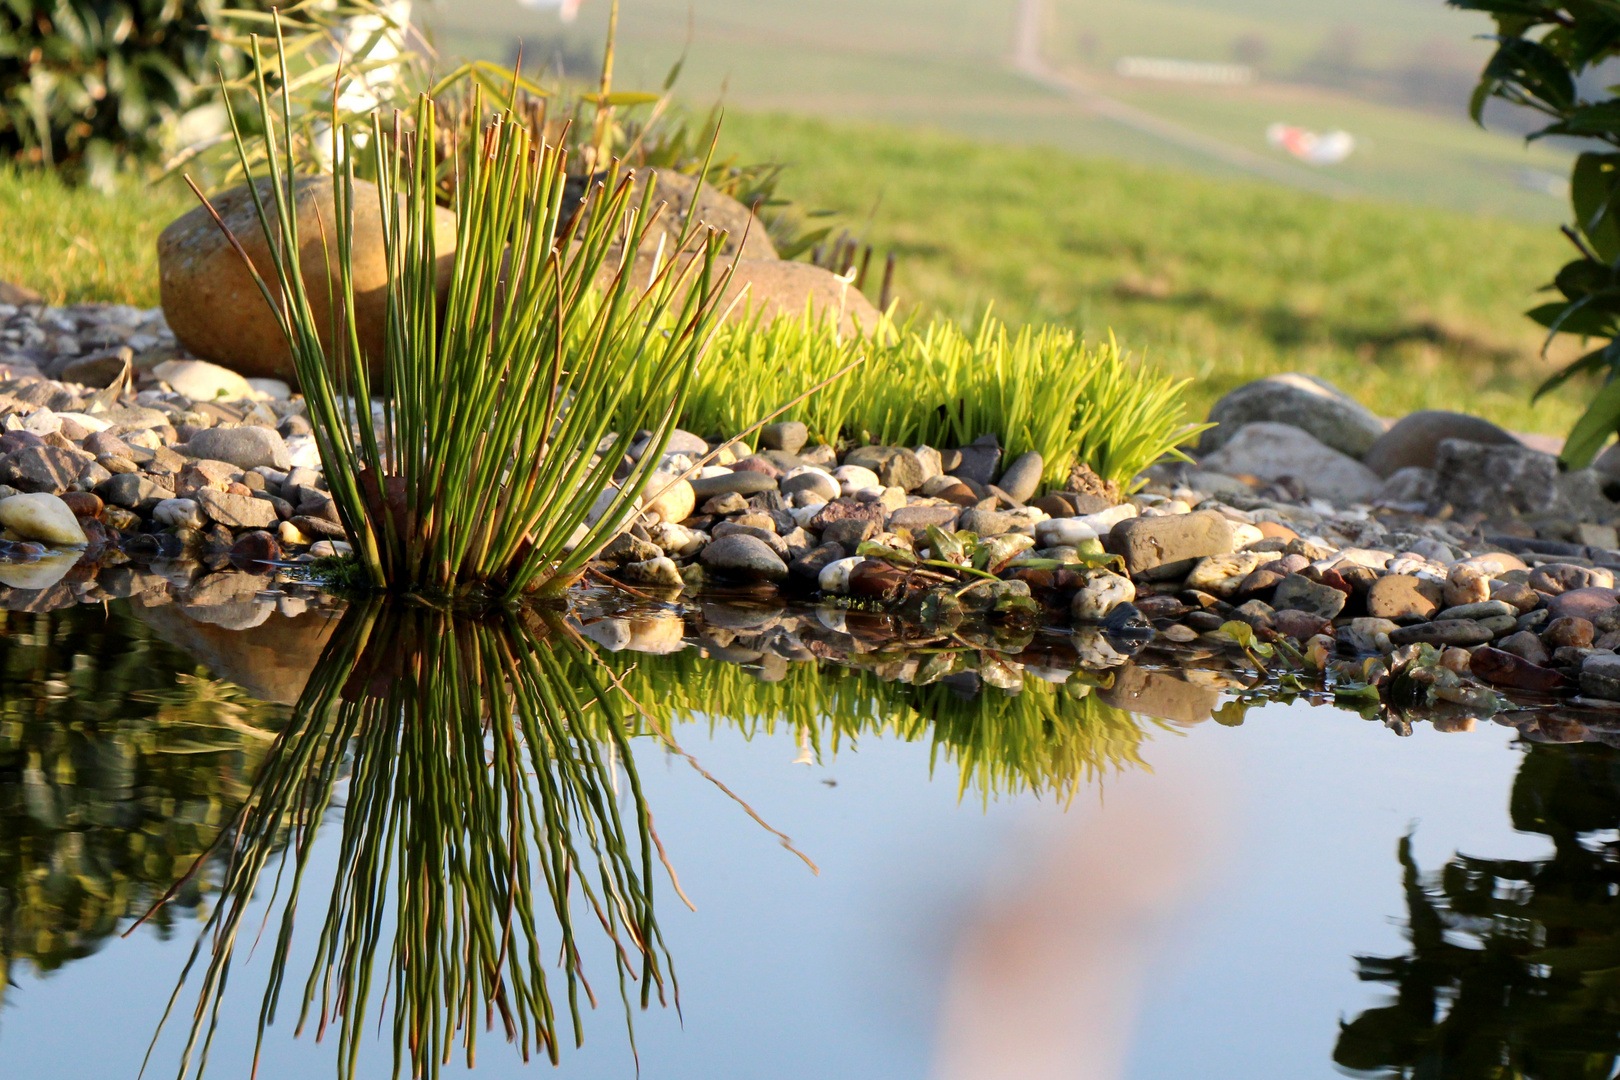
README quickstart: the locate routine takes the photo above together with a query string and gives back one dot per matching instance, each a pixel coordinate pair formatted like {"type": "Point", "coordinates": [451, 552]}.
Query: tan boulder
{"type": "Point", "coordinates": [714, 209]}
{"type": "Point", "coordinates": [217, 312]}
{"type": "Point", "coordinates": [777, 288]}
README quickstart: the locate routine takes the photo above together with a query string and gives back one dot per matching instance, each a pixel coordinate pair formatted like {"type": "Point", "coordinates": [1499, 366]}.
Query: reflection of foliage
{"type": "Point", "coordinates": [113, 779]}
{"type": "Point", "coordinates": [1514, 968]}
{"type": "Point", "coordinates": [484, 769]}
{"type": "Point", "coordinates": [1045, 737]}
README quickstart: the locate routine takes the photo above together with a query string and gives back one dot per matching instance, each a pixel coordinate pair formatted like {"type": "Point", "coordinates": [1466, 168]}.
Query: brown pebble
{"type": "Point", "coordinates": [1299, 625]}
{"type": "Point", "coordinates": [84, 504]}
{"type": "Point", "coordinates": [1570, 633]}
{"type": "Point", "coordinates": [1504, 668]}
{"type": "Point", "coordinates": [1516, 593]}
{"type": "Point", "coordinates": [1272, 530]}
{"type": "Point", "coordinates": [255, 547]}
{"type": "Point", "coordinates": [1525, 644]}
{"type": "Point", "coordinates": [1054, 506]}
{"type": "Point", "coordinates": [1402, 597]}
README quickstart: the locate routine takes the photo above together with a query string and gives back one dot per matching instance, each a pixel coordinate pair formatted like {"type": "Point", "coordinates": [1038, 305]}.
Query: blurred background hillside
{"type": "Point", "coordinates": [1152, 208]}
{"type": "Point", "coordinates": [1057, 188]}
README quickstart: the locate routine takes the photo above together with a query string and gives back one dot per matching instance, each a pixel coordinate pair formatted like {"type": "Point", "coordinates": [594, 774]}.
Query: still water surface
{"type": "Point", "coordinates": [1202, 919]}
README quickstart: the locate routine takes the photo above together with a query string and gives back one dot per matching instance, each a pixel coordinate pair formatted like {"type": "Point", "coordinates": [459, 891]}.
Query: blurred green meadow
{"type": "Point", "coordinates": [905, 120]}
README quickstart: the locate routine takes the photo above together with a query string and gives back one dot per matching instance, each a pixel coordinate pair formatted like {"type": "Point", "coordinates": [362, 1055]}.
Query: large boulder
{"type": "Point", "coordinates": [1304, 401]}
{"type": "Point", "coordinates": [776, 288]}
{"type": "Point", "coordinates": [216, 310]}
{"type": "Point", "coordinates": [745, 236]}
{"type": "Point", "coordinates": [1497, 479]}
{"type": "Point", "coordinates": [1272, 451]}
{"type": "Point", "coordinates": [1413, 442]}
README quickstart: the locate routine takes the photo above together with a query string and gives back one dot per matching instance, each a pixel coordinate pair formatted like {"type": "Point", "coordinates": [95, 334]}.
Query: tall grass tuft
{"type": "Point", "coordinates": [1040, 389]}
{"type": "Point", "coordinates": [486, 776]}
{"type": "Point", "coordinates": [503, 413]}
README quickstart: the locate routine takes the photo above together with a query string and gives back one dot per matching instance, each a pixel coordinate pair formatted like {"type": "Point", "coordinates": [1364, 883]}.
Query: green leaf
{"type": "Point", "coordinates": [1595, 193]}
{"type": "Point", "coordinates": [1592, 430]}
{"type": "Point", "coordinates": [1240, 632]}
{"type": "Point", "coordinates": [1590, 364]}
{"type": "Point", "coordinates": [1534, 69]}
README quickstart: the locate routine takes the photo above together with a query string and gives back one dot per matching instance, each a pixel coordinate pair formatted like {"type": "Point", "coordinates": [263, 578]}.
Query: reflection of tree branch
{"type": "Point", "coordinates": [1514, 966]}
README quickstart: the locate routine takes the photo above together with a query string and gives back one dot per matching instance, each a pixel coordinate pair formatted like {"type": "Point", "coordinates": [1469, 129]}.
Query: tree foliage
{"type": "Point", "coordinates": [1544, 47]}
{"type": "Point", "coordinates": [90, 86]}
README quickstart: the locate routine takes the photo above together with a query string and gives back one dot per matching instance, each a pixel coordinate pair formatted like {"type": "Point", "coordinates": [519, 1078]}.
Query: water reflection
{"type": "Point", "coordinates": [487, 778]}
{"type": "Point", "coordinates": [1514, 965]}
{"type": "Point", "coordinates": [120, 762]}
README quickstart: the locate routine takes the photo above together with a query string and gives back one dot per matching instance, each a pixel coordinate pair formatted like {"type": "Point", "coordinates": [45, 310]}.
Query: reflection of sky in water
{"type": "Point", "coordinates": [784, 975]}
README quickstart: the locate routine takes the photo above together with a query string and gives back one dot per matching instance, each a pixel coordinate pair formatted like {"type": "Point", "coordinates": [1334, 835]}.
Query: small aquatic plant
{"type": "Point", "coordinates": [490, 465]}
{"type": "Point", "coordinates": [486, 776]}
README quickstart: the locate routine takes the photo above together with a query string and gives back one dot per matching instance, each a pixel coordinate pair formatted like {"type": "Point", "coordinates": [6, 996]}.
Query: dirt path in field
{"type": "Point", "coordinates": [1028, 62]}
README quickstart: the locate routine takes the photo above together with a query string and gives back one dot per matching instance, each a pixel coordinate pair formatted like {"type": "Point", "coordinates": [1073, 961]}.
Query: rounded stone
{"type": "Point", "coordinates": [216, 310]}
{"type": "Point", "coordinates": [1413, 442]}
{"type": "Point", "coordinates": [788, 436]}
{"type": "Point", "coordinates": [1583, 603]}
{"type": "Point", "coordinates": [201, 381]}
{"type": "Point", "coordinates": [43, 517]}
{"type": "Point", "coordinates": [1023, 477]}
{"type": "Point", "coordinates": [1271, 451]}
{"type": "Point", "coordinates": [245, 447]}
{"type": "Point", "coordinates": [1304, 401]}
{"type": "Point", "coordinates": [745, 556]}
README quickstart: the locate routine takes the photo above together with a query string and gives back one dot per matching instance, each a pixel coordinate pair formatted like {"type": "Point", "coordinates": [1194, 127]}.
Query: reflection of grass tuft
{"type": "Point", "coordinates": [1047, 738]}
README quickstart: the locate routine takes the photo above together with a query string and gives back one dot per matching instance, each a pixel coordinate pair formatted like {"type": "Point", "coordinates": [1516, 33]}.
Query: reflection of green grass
{"type": "Point", "coordinates": [1045, 738]}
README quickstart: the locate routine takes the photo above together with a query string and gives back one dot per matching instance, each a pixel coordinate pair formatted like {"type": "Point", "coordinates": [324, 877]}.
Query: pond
{"type": "Point", "coordinates": [1299, 894]}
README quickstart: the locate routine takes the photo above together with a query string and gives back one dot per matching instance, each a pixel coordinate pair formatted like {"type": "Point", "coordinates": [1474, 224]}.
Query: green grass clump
{"type": "Point", "coordinates": [490, 470]}
{"type": "Point", "coordinates": [1040, 389]}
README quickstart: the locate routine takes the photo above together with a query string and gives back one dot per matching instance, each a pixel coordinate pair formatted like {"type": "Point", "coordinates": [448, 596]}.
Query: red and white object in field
{"type": "Point", "coordinates": [1309, 147]}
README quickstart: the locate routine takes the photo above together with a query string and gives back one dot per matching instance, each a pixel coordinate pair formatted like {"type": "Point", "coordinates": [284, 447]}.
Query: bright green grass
{"type": "Point", "coordinates": [1404, 307]}
{"type": "Point", "coordinates": [72, 245]}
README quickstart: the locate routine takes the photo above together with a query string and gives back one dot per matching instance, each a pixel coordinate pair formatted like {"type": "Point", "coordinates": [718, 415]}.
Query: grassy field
{"type": "Point", "coordinates": [83, 245]}
{"type": "Point", "coordinates": [942, 64]}
{"type": "Point", "coordinates": [1222, 281]}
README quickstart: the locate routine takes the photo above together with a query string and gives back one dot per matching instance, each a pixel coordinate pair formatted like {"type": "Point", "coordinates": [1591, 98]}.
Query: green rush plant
{"type": "Point", "coordinates": [489, 467]}
{"type": "Point", "coordinates": [1037, 388]}
{"type": "Point", "coordinates": [489, 777]}
{"type": "Point", "coordinates": [1543, 48]}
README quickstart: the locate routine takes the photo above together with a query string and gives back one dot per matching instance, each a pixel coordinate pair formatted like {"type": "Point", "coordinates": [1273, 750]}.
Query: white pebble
{"type": "Point", "coordinates": [1064, 532]}
{"type": "Point", "coordinates": [853, 478]}
{"type": "Point", "coordinates": [835, 575]}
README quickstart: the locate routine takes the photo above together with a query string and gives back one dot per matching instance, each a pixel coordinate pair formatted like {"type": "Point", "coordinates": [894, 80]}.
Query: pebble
{"type": "Point", "coordinates": [743, 556]}
{"type": "Point", "coordinates": [1403, 597]}
{"type": "Point", "coordinates": [1461, 632]}
{"type": "Point", "coordinates": [42, 517]}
